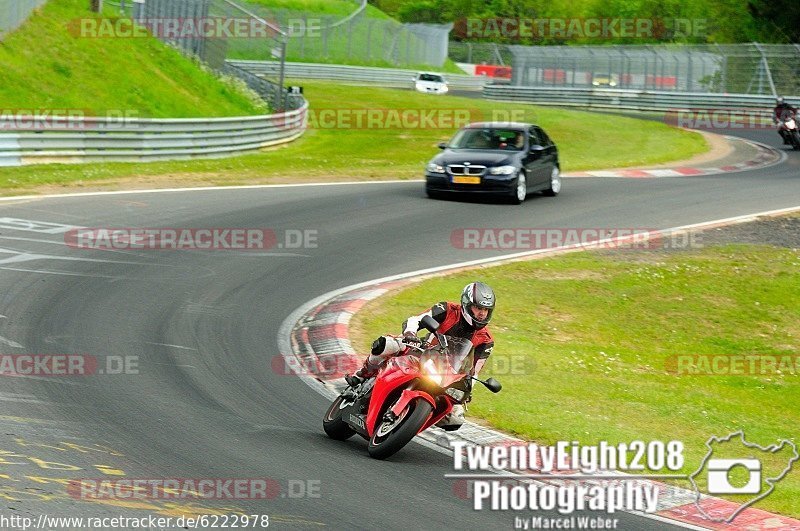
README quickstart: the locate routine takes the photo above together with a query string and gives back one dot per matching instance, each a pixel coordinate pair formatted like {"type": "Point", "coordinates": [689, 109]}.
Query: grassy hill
{"type": "Point", "coordinates": [45, 66]}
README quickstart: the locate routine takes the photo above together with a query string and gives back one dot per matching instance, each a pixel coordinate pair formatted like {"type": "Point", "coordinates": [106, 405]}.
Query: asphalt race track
{"type": "Point", "coordinates": [202, 327]}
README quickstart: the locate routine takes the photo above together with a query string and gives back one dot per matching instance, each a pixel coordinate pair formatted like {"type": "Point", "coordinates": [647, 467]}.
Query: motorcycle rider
{"type": "Point", "coordinates": [467, 319]}
{"type": "Point", "coordinates": [781, 108]}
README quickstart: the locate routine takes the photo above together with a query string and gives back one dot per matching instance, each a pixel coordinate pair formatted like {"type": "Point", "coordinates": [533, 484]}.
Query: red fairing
{"type": "Point", "coordinates": [397, 372]}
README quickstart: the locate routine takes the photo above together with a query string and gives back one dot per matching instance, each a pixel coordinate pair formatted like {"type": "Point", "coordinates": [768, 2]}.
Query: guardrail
{"type": "Point", "coordinates": [15, 12]}
{"type": "Point", "coordinates": [88, 139]}
{"type": "Point", "coordinates": [637, 100]}
{"type": "Point", "coordinates": [387, 77]}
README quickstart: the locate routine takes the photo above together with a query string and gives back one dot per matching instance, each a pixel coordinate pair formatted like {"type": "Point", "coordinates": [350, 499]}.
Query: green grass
{"type": "Point", "coordinates": [45, 66]}
{"type": "Point", "coordinates": [592, 335]}
{"type": "Point", "coordinates": [345, 153]}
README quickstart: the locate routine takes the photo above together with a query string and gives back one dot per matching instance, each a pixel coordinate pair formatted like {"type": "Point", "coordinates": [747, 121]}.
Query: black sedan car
{"type": "Point", "coordinates": [504, 159]}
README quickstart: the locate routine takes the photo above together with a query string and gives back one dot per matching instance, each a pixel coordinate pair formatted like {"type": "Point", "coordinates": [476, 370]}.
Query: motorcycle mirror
{"type": "Point", "coordinates": [493, 385]}
{"type": "Point", "coordinates": [429, 323]}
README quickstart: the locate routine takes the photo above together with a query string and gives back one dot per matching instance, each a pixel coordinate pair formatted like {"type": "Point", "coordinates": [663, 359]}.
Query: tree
{"type": "Point", "coordinates": [781, 16]}
{"type": "Point", "coordinates": [421, 11]}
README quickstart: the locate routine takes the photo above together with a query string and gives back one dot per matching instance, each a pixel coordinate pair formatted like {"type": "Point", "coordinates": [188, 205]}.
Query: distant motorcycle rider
{"type": "Point", "coordinates": [467, 319]}
{"type": "Point", "coordinates": [782, 108]}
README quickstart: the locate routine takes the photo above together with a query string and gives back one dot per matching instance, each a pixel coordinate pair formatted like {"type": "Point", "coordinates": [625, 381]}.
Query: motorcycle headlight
{"type": "Point", "coordinates": [435, 168]}
{"type": "Point", "coordinates": [503, 170]}
{"type": "Point", "coordinates": [433, 374]}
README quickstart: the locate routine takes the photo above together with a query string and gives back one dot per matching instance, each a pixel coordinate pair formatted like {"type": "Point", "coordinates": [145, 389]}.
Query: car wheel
{"type": "Point", "coordinates": [520, 191]}
{"type": "Point", "coordinates": [555, 182]}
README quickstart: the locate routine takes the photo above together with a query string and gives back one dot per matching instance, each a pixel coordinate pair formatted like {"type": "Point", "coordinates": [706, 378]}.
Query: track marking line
{"type": "Point", "coordinates": [10, 343]}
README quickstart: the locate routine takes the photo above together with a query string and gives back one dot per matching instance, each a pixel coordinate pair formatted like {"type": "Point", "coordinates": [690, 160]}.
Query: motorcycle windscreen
{"type": "Point", "coordinates": [449, 364]}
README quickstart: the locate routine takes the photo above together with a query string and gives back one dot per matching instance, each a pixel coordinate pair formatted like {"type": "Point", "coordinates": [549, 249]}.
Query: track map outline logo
{"type": "Point", "coordinates": [754, 466]}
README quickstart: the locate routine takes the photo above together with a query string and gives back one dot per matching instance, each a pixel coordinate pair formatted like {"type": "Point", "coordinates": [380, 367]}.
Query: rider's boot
{"type": "Point", "coordinates": [382, 349]}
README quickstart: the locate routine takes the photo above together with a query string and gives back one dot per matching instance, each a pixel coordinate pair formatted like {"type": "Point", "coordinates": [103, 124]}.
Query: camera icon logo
{"type": "Point", "coordinates": [719, 476]}
{"type": "Point", "coordinates": [741, 474]}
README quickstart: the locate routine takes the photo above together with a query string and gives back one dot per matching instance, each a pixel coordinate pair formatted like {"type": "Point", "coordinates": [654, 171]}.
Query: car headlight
{"type": "Point", "coordinates": [435, 168]}
{"type": "Point", "coordinates": [503, 170]}
{"type": "Point", "coordinates": [433, 374]}
{"type": "Point", "coordinates": [596, 83]}
{"type": "Point", "coordinates": [443, 88]}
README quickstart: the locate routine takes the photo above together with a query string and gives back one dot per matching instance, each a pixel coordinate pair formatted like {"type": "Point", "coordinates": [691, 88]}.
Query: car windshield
{"type": "Point", "coordinates": [473, 138]}
{"type": "Point", "coordinates": [431, 77]}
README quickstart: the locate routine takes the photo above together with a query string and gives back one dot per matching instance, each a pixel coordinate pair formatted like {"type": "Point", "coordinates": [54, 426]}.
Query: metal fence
{"type": "Point", "coordinates": [14, 12]}
{"type": "Point", "coordinates": [636, 100]}
{"type": "Point", "coordinates": [767, 69]}
{"type": "Point", "coordinates": [387, 77]}
{"type": "Point", "coordinates": [354, 39]}
{"type": "Point", "coordinates": [480, 53]}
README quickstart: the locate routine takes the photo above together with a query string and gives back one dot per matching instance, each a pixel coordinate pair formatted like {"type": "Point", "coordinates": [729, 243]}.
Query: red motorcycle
{"type": "Point", "coordinates": [411, 392]}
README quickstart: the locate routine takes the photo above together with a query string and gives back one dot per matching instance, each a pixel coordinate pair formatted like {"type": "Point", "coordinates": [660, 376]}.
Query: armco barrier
{"type": "Point", "coordinates": [637, 100]}
{"type": "Point", "coordinates": [15, 12]}
{"type": "Point", "coordinates": [388, 77]}
{"type": "Point", "coordinates": [74, 140]}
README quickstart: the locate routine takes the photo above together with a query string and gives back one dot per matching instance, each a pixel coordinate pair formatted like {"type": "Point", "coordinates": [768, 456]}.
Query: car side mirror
{"type": "Point", "coordinates": [442, 145]}
{"type": "Point", "coordinates": [429, 323]}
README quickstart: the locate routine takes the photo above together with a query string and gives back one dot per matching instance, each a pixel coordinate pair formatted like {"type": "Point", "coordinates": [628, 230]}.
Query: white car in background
{"type": "Point", "coordinates": [430, 83]}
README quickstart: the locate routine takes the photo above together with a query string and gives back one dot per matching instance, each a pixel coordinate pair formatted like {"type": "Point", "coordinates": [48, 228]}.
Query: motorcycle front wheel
{"type": "Point", "coordinates": [392, 435]}
{"type": "Point", "coordinates": [333, 424]}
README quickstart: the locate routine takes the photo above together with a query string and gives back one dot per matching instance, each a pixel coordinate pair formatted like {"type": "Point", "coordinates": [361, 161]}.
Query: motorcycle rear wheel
{"type": "Point", "coordinates": [383, 446]}
{"type": "Point", "coordinates": [333, 424]}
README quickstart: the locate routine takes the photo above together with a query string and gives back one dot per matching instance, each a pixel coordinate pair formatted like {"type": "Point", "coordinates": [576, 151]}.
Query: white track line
{"type": "Point", "coordinates": [203, 189]}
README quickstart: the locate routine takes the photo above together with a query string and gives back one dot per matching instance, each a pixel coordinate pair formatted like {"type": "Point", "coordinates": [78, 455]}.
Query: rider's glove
{"type": "Point", "coordinates": [412, 339]}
